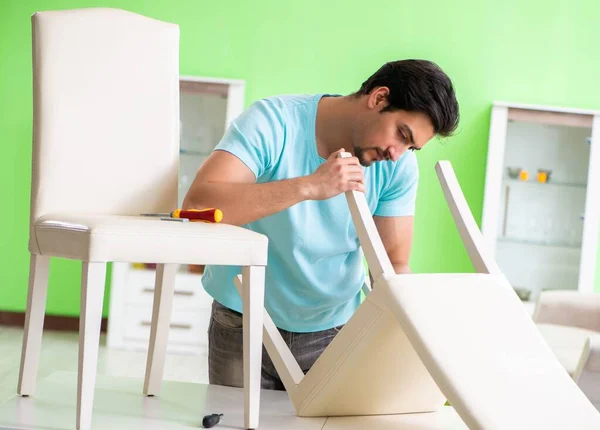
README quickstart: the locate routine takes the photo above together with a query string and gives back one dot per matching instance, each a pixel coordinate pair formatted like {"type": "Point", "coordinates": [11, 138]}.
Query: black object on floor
{"type": "Point", "coordinates": [211, 420]}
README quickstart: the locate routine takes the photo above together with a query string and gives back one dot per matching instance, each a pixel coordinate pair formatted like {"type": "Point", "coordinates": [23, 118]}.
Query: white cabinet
{"type": "Point", "coordinates": [207, 106]}
{"type": "Point", "coordinates": [542, 196]}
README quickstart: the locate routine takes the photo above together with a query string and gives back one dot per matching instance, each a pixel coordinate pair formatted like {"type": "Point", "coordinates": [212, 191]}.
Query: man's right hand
{"type": "Point", "coordinates": [335, 176]}
{"type": "Point", "coordinates": [225, 182]}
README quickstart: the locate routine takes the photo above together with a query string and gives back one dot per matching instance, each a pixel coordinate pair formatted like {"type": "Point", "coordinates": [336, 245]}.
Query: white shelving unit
{"type": "Point", "coordinates": [543, 230]}
{"type": "Point", "coordinates": [207, 107]}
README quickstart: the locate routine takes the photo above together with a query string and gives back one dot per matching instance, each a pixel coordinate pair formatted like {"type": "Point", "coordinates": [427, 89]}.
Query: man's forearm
{"type": "Point", "coordinates": [243, 203]}
{"type": "Point", "coordinates": [401, 268]}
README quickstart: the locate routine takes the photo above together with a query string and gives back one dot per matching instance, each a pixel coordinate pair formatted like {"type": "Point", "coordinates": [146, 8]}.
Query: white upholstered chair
{"type": "Point", "coordinates": [570, 323]}
{"type": "Point", "coordinates": [106, 149]}
{"type": "Point", "coordinates": [419, 339]}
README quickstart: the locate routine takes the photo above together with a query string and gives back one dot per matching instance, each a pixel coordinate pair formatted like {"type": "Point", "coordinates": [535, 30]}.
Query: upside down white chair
{"type": "Point", "coordinates": [570, 323]}
{"type": "Point", "coordinates": [106, 149]}
{"type": "Point", "coordinates": [418, 340]}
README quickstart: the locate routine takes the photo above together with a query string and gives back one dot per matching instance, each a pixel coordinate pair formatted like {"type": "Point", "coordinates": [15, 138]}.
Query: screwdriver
{"type": "Point", "coordinates": [205, 215]}
{"type": "Point", "coordinates": [211, 420]}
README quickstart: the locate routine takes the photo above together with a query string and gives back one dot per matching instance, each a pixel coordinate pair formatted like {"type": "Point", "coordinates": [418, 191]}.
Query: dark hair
{"type": "Point", "coordinates": [418, 86]}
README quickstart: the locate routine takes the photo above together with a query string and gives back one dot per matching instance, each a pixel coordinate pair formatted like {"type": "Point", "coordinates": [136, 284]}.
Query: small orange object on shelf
{"type": "Point", "coordinates": [523, 175]}
{"type": "Point", "coordinates": [543, 176]}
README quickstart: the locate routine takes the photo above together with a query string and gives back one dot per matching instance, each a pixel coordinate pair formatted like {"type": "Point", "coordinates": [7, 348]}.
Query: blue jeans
{"type": "Point", "coordinates": [225, 350]}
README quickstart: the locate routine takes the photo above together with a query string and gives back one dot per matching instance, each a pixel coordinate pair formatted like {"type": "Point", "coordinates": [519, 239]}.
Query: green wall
{"type": "Point", "coordinates": [535, 51]}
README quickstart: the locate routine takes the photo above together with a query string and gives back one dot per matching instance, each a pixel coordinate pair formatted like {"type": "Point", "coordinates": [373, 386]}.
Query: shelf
{"type": "Point", "coordinates": [538, 243]}
{"type": "Point", "coordinates": [547, 184]}
{"type": "Point", "coordinates": [194, 152]}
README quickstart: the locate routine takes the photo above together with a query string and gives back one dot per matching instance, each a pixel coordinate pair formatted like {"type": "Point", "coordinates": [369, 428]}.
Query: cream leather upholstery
{"type": "Point", "coordinates": [106, 113]}
{"type": "Point", "coordinates": [127, 238]}
{"type": "Point", "coordinates": [106, 149]}
{"type": "Point", "coordinates": [486, 354]}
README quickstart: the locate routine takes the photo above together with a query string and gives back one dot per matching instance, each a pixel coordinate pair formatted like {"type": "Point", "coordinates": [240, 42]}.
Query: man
{"type": "Point", "coordinates": [275, 171]}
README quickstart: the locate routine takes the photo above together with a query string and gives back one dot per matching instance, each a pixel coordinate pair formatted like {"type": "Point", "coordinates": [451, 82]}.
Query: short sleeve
{"type": "Point", "coordinates": [400, 192]}
{"type": "Point", "coordinates": [256, 137]}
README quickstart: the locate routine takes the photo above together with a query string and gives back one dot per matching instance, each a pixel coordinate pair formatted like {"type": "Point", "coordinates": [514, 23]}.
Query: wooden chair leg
{"type": "Point", "coordinates": [93, 277]}
{"type": "Point", "coordinates": [253, 293]}
{"type": "Point", "coordinates": [34, 323]}
{"type": "Point", "coordinates": [159, 331]}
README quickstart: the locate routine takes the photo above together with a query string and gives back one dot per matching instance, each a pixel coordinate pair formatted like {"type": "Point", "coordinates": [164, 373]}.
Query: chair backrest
{"type": "Point", "coordinates": [105, 113]}
{"type": "Point", "coordinates": [377, 259]}
{"type": "Point", "coordinates": [481, 257]}
{"type": "Point", "coordinates": [375, 254]}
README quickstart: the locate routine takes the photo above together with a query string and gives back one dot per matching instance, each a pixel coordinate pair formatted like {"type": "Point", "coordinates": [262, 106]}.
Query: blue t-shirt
{"type": "Point", "coordinates": [315, 270]}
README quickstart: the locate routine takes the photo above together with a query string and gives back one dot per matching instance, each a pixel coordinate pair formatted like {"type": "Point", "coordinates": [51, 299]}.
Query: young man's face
{"type": "Point", "coordinates": [386, 136]}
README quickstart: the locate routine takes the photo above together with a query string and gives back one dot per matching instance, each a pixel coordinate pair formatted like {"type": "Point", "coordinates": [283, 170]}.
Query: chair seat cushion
{"type": "Point", "coordinates": [104, 238]}
{"type": "Point", "coordinates": [486, 353]}
{"type": "Point", "coordinates": [568, 344]}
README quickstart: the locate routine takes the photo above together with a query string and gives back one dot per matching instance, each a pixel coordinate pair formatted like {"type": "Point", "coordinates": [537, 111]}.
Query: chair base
{"type": "Point", "coordinates": [92, 293]}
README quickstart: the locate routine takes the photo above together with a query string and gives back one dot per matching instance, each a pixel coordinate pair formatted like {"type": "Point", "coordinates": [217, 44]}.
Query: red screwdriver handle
{"type": "Point", "coordinates": [206, 215]}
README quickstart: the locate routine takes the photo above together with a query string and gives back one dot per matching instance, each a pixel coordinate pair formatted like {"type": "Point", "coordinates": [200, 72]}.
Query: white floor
{"type": "Point", "coordinates": [59, 352]}
{"type": "Point", "coordinates": [184, 399]}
